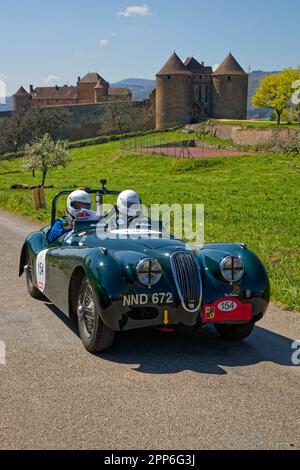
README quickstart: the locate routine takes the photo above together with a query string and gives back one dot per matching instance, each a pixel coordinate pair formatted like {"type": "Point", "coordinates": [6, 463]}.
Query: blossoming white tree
{"type": "Point", "coordinates": [45, 154]}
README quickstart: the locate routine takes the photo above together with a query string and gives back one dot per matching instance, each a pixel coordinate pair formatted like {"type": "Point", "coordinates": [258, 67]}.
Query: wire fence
{"type": "Point", "coordinates": [181, 148]}
{"type": "Point", "coordinates": [159, 145]}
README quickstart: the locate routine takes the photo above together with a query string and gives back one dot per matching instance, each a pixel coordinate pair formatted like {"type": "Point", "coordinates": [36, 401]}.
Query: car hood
{"type": "Point", "coordinates": [121, 242]}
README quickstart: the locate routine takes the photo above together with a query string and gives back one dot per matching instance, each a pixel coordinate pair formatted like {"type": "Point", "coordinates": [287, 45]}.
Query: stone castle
{"type": "Point", "coordinates": [186, 92]}
{"type": "Point", "coordinates": [191, 92]}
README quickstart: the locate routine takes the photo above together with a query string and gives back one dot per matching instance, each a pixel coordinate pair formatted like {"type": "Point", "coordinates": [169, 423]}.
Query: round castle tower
{"type": "Point", "coordinates": [173, 94]}
{"type": "Point", "coordinates": [21, 99]}
{"type": "Point", "coordinates": [230, 90]}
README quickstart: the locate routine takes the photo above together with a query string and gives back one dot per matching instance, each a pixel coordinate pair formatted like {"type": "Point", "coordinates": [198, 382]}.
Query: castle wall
{"type": "Point", "coordinates": [84, 121]}
{"type": "Point", "coordinates": [36, 102]}
{"type": "Point", "coordinates": [242, 135]}
{"type": "Point", "coordinates": [229, 97]}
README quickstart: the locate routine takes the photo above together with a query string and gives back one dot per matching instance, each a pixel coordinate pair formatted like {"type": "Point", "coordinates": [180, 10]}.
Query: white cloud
{"type": "Point", "coordinates": [3, 77]}
{"type": "Point", "coordinates": [104, 42]}
{"type": "Point", "coordinates": [51, 80]}
{"type": "Point", "coordinates": [114, 35]}
{"type": "Point", "coordinates": [215, 67]}
{"type": "Point", "coordinates": [139, 10]}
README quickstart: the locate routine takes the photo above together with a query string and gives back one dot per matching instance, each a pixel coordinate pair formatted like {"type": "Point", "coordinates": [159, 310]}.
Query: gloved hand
{"type": "Point", "coordinates": [67, 224]}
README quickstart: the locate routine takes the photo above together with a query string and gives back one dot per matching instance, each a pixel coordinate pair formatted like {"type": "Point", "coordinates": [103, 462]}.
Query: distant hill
{"type": "Point", "coordinates": [8, 106]}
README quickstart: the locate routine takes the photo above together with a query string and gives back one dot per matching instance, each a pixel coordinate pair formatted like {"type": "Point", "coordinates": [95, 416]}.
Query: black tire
{"type": "Point", "coordinates": [234, 332]}
{"type": "Point", "coordinates": [95, 335]}
{"type": "Point", "coordinates": [32, 290]}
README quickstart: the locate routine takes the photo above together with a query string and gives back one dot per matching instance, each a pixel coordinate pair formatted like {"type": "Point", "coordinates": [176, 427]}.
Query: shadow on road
{"type": "Point", "coordinates": [199, 350]}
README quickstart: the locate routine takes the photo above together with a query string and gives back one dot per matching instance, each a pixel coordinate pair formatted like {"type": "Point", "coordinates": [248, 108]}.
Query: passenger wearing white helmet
{"type": "Point", "coordinates": [129, 207]}
{"type": "Point", "coordinates": [129, 203]}
{"type": "Point", "coordinates": [78, 205]}
{"type": "Point", "coordinates": [130, 214]}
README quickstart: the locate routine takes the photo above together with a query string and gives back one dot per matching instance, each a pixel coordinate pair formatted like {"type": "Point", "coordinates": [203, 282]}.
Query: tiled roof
{"type": "Point", "coordinates": [94, 78]}
{"type": "Point", "coordinates": [195, 67]}
{"type": "Point", "coordinates": [99, 85]}
{"type": "Point", "coordinates": [55, 93]}
{"type": "Point", "coordinates": [21, 92]}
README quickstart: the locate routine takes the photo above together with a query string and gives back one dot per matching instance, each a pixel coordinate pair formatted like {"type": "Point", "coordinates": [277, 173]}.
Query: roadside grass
{"type": "Point", "coordinates": [254, 200]}
{"type": "Point", "coordinates": [257, 124]}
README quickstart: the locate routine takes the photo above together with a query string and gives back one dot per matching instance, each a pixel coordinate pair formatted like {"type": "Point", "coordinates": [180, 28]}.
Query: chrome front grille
{"type": "Point", "coordinates": [187, 278]}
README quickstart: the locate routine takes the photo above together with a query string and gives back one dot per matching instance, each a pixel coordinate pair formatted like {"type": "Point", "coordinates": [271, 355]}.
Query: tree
{"type": "Point", "coordinates": [25, 126]}
{"type": "Point", "coordinates": [276, 91]}
{"type": "Point", "coordinates": [45, 154]}
{"type": "Point", "coordinates": [13, 131]}
{"type": "Point", "coordinates": [41, 121]}
{"type": "Point", "coordinates": [122, 115]}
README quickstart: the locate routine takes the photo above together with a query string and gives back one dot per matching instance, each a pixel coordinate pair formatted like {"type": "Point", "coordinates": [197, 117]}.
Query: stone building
{"type": "Point", "coordinates": [190, 92]}
{"type": "Point", "coordinates": [90, 89]}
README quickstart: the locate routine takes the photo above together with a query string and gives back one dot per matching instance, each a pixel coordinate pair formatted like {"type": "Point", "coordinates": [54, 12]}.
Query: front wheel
{"type": "Point", "coordinates": [234, 332]}
{"type": "Point", "coordinates": [32, 290]}
{"type": "Point", "coordinates": [94, 334]}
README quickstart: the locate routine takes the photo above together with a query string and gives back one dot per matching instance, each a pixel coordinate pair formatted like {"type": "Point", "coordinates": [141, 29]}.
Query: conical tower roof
{"type": "Point", "coordinates": [229, 67]}
{"type": "Point", "coordinates": [21, 92]}
{"type": "Point", "coordinates": [193, 65]}
{"type": "Point", "coordinates": [174, 66]}
{"type": "Point", "coordinates": [99, 85]}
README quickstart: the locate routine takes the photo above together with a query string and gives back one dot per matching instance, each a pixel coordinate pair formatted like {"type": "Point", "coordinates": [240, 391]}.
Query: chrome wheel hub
{"type": "Point", "coordinates": [86, 312]}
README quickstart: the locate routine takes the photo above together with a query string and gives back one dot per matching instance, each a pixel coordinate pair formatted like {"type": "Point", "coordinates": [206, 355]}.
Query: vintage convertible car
{"type": "Point", "coordinates": [131, 282]}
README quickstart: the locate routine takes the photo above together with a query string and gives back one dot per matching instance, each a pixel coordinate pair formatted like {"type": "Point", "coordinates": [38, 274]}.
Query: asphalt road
{"type": "Point", "coordinates": [184, 390]}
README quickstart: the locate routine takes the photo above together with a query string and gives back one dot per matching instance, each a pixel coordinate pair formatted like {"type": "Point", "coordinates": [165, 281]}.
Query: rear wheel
{"type": "Point", "coordinates": [95, 335]}
{"type": "Point", "coordinates": [234, 332]}
{"type": "Point", "coordinates": [32, 290]}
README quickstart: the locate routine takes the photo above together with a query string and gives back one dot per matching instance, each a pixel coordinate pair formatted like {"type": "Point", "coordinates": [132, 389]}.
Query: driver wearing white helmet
{"type": "Point", "coordinates": [78, 205]}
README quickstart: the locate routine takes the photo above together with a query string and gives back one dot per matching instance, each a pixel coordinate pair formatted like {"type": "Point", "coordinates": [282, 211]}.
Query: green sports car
{"type": "Point", "coordinates": [137, 281]}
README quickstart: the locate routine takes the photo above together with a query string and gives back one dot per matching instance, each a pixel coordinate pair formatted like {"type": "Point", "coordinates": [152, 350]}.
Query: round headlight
{"type": "Point", "coordinates": [232, 269]}
{"type": "Point", "coordinates": [148, 272]}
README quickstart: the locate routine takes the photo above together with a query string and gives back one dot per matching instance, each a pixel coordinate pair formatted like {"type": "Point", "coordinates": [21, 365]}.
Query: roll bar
{"type": "Point", "coordinates": [99, 198]}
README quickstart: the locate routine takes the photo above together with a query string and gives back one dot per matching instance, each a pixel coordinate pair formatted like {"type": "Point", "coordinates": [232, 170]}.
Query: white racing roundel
{"type": "Point", "coordinates": [41, 270]}
{"type": "Point", "coordinates": [227, 306]}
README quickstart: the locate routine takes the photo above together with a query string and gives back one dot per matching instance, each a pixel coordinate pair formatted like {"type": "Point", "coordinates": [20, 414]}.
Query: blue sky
{"type": "Point", "coordinates": [48, 42]}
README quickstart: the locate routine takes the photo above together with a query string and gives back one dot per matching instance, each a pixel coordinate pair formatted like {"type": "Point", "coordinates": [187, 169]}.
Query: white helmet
{"type": "Point", "coordinates": [78, 196]}
{"type": "Point", "coordinates": [129, 203]}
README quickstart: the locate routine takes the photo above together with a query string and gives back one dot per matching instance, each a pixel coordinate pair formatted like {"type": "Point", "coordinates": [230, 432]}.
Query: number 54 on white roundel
{"type": "Point", "coordinates": [41, 270]}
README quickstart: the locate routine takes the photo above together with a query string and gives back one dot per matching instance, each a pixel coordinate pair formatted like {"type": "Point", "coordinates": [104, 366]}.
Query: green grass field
{"type": "Point", "coordinates": [247, 199]}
